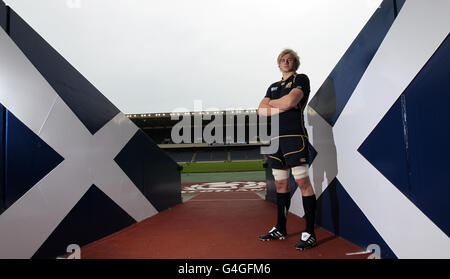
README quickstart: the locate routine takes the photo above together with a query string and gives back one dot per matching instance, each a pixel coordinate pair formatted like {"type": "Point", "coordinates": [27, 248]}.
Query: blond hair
{"type": "Point", "coordinates": [293, 53]}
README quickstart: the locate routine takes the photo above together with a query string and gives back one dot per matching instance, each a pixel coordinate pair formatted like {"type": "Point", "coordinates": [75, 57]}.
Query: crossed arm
{"type": "Point", "coordinates": [269, 107]}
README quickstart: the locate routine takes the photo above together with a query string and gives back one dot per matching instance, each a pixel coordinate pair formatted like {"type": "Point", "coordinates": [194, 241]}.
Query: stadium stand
{"type": "Point", "coordinates": [238, 155]}
{"type": "Point", "coordinates": [181, 156]}
{"type": "Point", "coordinates": [254, 154]}
{"type": "Point", "coordinates": [203, 156]}
{"type": "Point", "coordinates": [158, 127]}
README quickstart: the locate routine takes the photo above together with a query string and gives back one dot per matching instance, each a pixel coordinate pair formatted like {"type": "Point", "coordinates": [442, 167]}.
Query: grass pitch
{"type": "Point", "coordinates": [222, 167]}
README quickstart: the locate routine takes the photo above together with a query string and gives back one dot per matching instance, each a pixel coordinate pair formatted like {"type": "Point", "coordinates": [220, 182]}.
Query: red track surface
{"type": "Point", "coordinates": [216, 226]}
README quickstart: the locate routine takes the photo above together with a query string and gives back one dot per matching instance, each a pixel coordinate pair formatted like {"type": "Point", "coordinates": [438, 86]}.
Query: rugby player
{"type": "Point", "coordinates": [288, 98]}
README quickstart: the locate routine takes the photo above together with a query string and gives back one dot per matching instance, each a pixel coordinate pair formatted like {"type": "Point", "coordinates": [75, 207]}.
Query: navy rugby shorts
{"type": "Point", "coordinates": [293, 150]}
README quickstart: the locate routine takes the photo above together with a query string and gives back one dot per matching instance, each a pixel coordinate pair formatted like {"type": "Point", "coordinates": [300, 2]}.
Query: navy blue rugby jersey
{"type": "Point", "coordinates": [291, 121]}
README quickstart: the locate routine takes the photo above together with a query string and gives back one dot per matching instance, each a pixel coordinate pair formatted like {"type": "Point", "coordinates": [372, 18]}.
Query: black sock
{"type": "Point", "coordinates": [283, 203]}
{"type": "Point", "coordinates": [309, 205]}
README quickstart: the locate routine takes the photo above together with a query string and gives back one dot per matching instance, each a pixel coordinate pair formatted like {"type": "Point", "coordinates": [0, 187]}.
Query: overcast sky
{"type": "Point", "coordinates": [156, 56]}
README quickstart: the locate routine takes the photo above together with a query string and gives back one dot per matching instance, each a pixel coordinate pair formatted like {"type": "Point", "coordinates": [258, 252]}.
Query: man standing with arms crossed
{"type": "Point", "coordinates": [288, 98]}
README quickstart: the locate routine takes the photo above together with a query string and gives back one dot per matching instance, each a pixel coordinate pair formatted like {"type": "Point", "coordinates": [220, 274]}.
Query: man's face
{"type": "Point", "coordinates": [287, 63]}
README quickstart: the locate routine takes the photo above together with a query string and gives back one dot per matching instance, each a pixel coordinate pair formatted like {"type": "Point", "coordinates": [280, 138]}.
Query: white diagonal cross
{"type": "Point", "coordinates": [88, 159]}
{"type": "Point", "coordinates": [400, 57]}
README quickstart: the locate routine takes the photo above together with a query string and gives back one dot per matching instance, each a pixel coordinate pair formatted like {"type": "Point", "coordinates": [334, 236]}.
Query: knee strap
{"type": "Point", "coordinates": [280, 174]}
{"type": "Point", "coordinates": [300, 171]}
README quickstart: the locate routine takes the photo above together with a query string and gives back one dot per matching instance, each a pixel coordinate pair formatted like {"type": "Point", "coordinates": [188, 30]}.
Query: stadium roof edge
{"type": "Point", "coordinates": [190, 145]}
{"type": "Point", "coordinates": [168, 114]}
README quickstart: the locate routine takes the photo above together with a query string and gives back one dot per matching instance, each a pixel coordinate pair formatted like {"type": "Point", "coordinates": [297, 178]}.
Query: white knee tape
{"type": "Point", "coordinates": [300, 172]}
{"type": "Point", "coordinates": [280, 174]}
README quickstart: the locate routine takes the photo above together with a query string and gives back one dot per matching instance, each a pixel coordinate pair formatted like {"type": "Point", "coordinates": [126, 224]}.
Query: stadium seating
{"type": "Point", "coordinates": [215, 154]}
{"type": "Point", "coordinates": [181, 156]}
{"type": "Point", "coordinates": [254, 154]}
